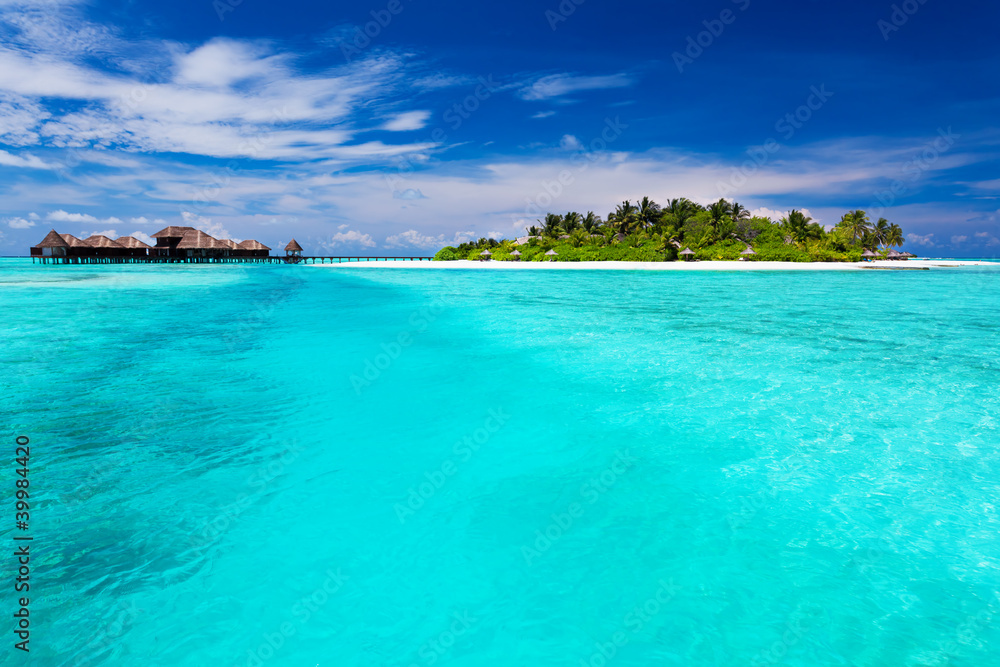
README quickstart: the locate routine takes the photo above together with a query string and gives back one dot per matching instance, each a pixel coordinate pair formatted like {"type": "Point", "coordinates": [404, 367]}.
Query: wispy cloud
{"type": "Point", "coordinates": [558, 85]}
{"type": "Point", "coordinates": [27, 161]}
{"type": "Point", "coordinates": [405, 122]}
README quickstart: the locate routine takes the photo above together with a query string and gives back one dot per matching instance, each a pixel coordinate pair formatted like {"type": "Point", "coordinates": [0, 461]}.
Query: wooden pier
{"type": "Point", "coordinates": [48, 259]}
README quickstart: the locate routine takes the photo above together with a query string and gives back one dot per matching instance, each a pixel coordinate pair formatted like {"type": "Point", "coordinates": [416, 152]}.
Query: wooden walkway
{"type": "Point", "coordinates": [220, 260]}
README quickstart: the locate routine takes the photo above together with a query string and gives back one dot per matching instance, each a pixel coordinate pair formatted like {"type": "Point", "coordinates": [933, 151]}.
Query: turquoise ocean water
{"type": "Point", "coordinates": [305, 466]}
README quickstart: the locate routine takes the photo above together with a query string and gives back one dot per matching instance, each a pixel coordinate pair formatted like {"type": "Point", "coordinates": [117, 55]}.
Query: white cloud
{"type": "Point", "coordinates": [955, 240]}
{"type": "Point", "coordinates": [349, 237]}
{"type": "Point", "coordinates": [223, 98]}
{"type": "Point", "coordinates": [983, 235]}
{"type": "Point", "coordinates": [206, 225]}
{"type": "Point", "coordinates": [144, 238]}
{"type": "Point", "coordinates": [405, 122]}
{"type": "Point", "coordinates": [413, 238]}
{"type": "Point", "coordinates": [544, 114]}
{"type": "Point", "coordinates": [558, 85]}
{"type": "Point", "coordinates": [926, 240]}
{"type": "Point", "coordinates": [570, 143]}
{"type": "Point", "coordinates": [63, 216]}
{"type": "Point", "coordinates": [27, 161]}
{"type": "Point", "coordinates": [19, 223]}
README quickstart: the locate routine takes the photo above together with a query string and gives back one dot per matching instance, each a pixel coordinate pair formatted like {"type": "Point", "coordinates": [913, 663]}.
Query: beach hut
{"type": "Point", "coordinates": [135, 247]}
{"type": "Point", "coordinates": [565, 237]}
{"type": "Point", "coordinates": [78, 247]}
{"type": "Point", "coordinates": [907, 255]}
{"type": "Point", "coordinates": [252, 248]}
{"type": "Point", "coordinates": [747, 253]}
{"type": "Point", "coordinates": [229, 247]}
{"type": "Point", "coordinates": [619, 237]}
{"type": "Point", "coordinates": [892, 254]}
{"type": "Point", "coordinates": [687, 253]}
{"type": "Point", "coordinates": [197, 243]}
{"type": "Point", "coordinates": [52, 245]}
{"type": "Point", "coordinates": [552, 254]}
{"type": "Point", "coordinates": [868, 256]}
{"type": "Point", "coordinates": [293, 249]}
{"type": "Point", "coordinates": [167, 240]}
{"type": "Point", "coordinates": [105, 246]}
{"type": "Point", "coordinates": [486, 255]}
{"type": "Point", "coordinates": [516, 255]}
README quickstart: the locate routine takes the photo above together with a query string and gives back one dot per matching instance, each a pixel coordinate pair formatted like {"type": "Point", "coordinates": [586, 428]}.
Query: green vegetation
{"type": "Point", "coordinates": [647, 232]}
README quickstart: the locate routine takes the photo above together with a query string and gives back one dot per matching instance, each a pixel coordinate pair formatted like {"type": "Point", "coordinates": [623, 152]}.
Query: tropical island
{"type": "Point", "coordinates": [685, 230]}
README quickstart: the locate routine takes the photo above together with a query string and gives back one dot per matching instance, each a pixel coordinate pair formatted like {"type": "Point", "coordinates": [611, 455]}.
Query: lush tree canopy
{"type": "Point", "coordinates": [647, 231]}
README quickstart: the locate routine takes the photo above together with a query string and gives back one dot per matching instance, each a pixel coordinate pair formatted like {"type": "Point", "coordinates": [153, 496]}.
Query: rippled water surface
{"type": "Point", "coordinates": [335, 467]}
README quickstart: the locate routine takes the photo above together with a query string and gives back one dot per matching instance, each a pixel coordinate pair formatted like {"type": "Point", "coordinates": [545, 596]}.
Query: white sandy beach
{"type": "Point", "coordinates": [663, 266]}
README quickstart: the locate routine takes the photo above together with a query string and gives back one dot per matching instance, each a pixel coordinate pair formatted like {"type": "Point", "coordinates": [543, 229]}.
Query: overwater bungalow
{"type": "Point", "coordinates": [167, 240]}
{"type": "Point", "coordinates": [105, 247]}
{"type": "Point", "coordinates": [251, 248]}
{"type": "Point", "coordinates": [293, 249]}
{"type": "Point", "coordinates": [78, 247]}
{"type": "Point", "coordinates": [173, 244]}
{"type": "Point", "coordinates": [134, 246]}
{"type": "Point", "coordinates": [53, 245]}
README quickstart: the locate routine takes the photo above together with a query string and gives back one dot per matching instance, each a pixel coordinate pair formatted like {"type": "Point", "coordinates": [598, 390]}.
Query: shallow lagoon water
{"type": "Point", "coordinates": [238, 466]}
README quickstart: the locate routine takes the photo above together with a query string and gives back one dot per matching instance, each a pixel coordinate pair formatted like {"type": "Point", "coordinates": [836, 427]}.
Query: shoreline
{"type": "Point", "coordinates": [910, 265]}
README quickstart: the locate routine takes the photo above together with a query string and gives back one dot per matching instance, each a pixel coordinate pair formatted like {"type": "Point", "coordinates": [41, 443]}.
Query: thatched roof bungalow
{"type": "Point", "coordinates": [252, 248]}
{"type": "Point", "coordinates": [293, 249]}
{"type": "Point", "coordinates": [78, 247]}
{"type": "Point", "coordinates": [53, 245]}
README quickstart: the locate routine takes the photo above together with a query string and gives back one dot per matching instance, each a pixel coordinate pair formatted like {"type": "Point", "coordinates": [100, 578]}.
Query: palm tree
{"type": "Point", "coordinates": [552, 225]}
{"type": "Point", "coordinates": [533, 231]}
{"type": "Point", "coordinates": [720, 210]}
{"type": "Point", "coordinates": [649, 212]}
{"type": "Point", "coordinates": [625, 217]}
{"type": "Point", "coordinates": [739, 213]}
{"type": "Point", "coordinates": [591, 222]}
{"type": "Point", "coordinates": [855, 224]}
{"type": "Point", "coordinates": [571, 222]}
{"type": "Point", "coordinates": [798, 225]}
{"type": "Point", "coordinates": [880, 232]}
{"type": "Point", "coordinates": [895, 236]}
{"type": "Point", "coordinates": [682, 209]}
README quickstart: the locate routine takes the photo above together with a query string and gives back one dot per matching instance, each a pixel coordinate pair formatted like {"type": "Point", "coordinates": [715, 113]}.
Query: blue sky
{"type": "Point", "coordinates": [455, 120]}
